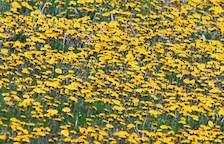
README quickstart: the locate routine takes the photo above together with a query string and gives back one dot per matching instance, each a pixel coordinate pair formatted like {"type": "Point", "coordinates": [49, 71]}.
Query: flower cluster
{"type": "Point", "coordinates": [101, 71]}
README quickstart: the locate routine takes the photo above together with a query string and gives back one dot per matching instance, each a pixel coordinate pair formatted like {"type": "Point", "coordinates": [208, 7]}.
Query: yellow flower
{"type": "Point", "coordinates": [195, 117]}
{"type": "Point", "coordinates": [154, 112]}
{"type": "Point", "coordinates": [187, 81]}
{"type": "Point", "coordinates": [215, 90]}
{"type": "Point", "coordinates": [27, 5]}
{"type": "Point", "coordinates": [52, 112]}
{"type": "Point", "coordinates": [4, 51]}
{"type": "Point", "coordinates": [165, 127]}
{"type": "Point", "coordinates": [96, 142]}
{"type": "Point", "coordinates": [109, 126]}
{"type": "Point", "coordinates": [53, 84]}
{"type": "Point", "coordinates": [130, 126]}
{"type": "Point", "coordinates": [7, 98]}
{"type": "Point", "coordinates": [85, 1]}
{"type": "Point", "coordinates": [65, 133]}
{"type": "Point", "coordinates": [113, 23]}
{"type": "Point", "coordinates": [58, 70]}
{"type": "Point", "coordinates": [74, 99]}
{"type": "Point", "coordinates": [25, 70]}
{"type": "Point", "coordinates": [210, 123]}
{"type": "Point", "coordinates": [26, 102]}
{"type": "Point", "coordinates": [118, 108]}
{"type": "Point", "coordinates": [16, 5]}
{"type": "Point", "coordinates": [121, 134]}
{"type": "Point", "coordinates": [218, 56]}
{"type": "Point", "coordinates": [67, 139]}
{"type": "Point", "coordinates": [221, 112]}
{"type": "Point", "coordinates": [73, 86]}
{"type": "Point", "coordinates": [135, 101]}
{"type": "Point", "coordinates": [99, 1]}
{"type": "Point", "coordinates": [66, 109]}
{"type": "Point", "coordinates": [3, 137]}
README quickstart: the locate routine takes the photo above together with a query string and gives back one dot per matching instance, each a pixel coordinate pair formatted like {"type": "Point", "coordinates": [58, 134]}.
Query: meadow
{"type": "Point", "coordinates": [112, 71]}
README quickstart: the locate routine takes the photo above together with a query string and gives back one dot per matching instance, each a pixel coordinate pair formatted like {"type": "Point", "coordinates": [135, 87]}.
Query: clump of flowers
{"type": "Point", "coordinates": [98, 71]}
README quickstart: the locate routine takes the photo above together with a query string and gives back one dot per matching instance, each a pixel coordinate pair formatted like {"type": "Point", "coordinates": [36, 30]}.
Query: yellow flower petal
{"type": "Point", "coordinates": [66, 109]}
{"type": "Point", "coordinates": [65, 133]}
{"type": "Point", "coordinates": [58, 71]}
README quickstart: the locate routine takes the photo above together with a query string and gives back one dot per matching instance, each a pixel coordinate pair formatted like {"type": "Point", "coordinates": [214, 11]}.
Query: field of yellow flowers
{"type": "Point", "coordinates": [112, 71]}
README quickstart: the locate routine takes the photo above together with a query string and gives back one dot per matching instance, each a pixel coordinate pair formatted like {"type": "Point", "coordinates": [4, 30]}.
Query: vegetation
{"type": "Point", "coordinates": [111, 71]}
